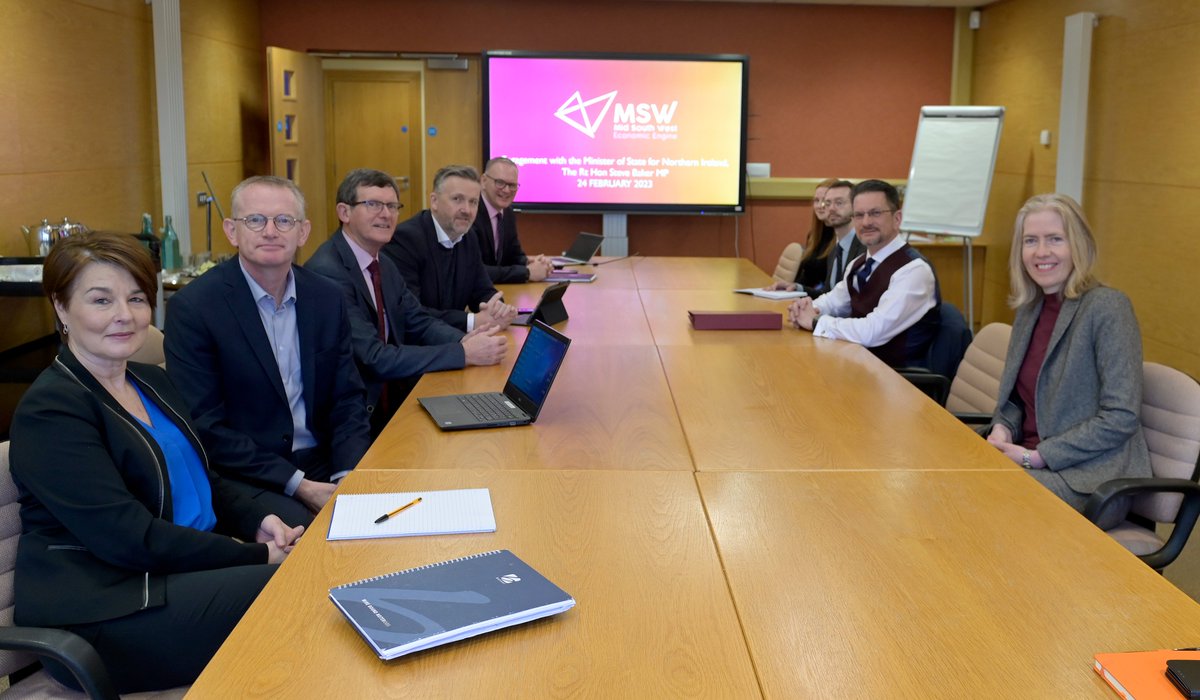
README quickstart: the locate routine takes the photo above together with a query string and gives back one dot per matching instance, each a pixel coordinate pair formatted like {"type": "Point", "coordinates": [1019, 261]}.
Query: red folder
{"type": "Point", "coordinates": [736, 320]}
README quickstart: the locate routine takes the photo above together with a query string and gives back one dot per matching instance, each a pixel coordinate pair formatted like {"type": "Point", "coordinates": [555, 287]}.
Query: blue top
{"type": "Point", "coordinates": [191, 493]}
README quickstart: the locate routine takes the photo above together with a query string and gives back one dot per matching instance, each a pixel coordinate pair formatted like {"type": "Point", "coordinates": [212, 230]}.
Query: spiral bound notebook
{"type": "Point", "coordinates": [428, 606]}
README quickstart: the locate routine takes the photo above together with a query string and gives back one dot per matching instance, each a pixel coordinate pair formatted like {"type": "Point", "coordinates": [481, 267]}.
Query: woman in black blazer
{"type": "Point", "coordinates": [127, 537]}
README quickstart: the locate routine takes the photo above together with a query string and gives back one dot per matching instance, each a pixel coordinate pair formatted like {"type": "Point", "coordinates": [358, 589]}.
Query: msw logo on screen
{"type": "Point", "coordinates": [588, 115]}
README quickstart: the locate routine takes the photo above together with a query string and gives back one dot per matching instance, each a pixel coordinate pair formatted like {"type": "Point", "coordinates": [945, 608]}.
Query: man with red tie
{"type": "Point", "coordinates": [394, 348]}
{"type": "Point", "coordinates": [496, 228]}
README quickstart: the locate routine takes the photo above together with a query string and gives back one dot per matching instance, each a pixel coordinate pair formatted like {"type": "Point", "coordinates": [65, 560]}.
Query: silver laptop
{"type": "Point", "coordinates": [524, 393]}
{"type": "Point", "coordinates": [581, 251]}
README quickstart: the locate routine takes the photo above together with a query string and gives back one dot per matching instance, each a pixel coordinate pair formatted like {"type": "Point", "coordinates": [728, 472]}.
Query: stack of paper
{"type": "Point", "coordinates": [438, 513]}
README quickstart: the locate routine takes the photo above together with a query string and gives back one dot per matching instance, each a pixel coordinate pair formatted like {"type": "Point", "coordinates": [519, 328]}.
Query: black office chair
{"type": "Point", "coordinates": [945, 352]}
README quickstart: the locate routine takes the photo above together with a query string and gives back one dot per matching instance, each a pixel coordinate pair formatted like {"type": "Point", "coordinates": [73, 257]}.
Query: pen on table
{"type": "Point", "coordinates": [410, 504]}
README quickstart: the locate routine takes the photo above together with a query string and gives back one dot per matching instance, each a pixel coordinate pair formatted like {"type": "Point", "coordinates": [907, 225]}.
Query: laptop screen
{"type": "Point", "coordinates": [536, 366]}
{"type": "Point", "coordinates": [584, 247]}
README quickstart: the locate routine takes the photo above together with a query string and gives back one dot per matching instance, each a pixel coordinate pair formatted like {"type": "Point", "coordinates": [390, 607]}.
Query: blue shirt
{"type": "Point", "coordinates": [191, 492]}
{"type": "Point", "coordinates": [279, 322]}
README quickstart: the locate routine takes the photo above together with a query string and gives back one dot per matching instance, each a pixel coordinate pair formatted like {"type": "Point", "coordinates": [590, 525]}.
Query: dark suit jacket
{"type": "Point", "coordinates": [413, 248]}
{"type": "Point", "coordinates": [506, 266]}
{"type": "Point", "coordinates": [856, 249]}
{"type": "Point", "coordinates": [812, 275]}
{"type": "Point", "coordinates": [219, 357]}
{"type": "Point", "coordinates": [418, 342]}
{"type": "Point", "coordinates": [1089, 390]}
{"type": "Point", "coordinates": [97, 537]}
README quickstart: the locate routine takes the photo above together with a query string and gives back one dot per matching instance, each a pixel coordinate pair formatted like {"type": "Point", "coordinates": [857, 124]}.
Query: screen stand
{"type": "Point", "coordinates": [616, 236]}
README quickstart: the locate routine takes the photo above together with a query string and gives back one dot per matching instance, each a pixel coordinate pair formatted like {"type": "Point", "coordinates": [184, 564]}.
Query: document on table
{"type": "Point", "coordinates": [776, 294]}
{"type": "Point", "coordinates": [439, 513]}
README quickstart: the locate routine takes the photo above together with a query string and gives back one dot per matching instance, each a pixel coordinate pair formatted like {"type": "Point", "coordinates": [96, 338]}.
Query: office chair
{"type": "Point", "coordinates": [945, 352]}
{"type": "Point", "coordinates": [151, 351]}
{"type": "Point", "coordinates": [1171, 423]}
{"type": "Point", "coordinates": [975, 390]}
{"type": "Point", "coordinates": [21, 647]}
{"type": "Point", "coordinates": [789, 263]}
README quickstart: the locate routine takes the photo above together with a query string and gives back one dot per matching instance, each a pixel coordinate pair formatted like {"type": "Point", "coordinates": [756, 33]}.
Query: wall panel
{"type": "Point", "coordinates": [1141, 184]}
{"type": "Point", "coordinates": [832, 89]}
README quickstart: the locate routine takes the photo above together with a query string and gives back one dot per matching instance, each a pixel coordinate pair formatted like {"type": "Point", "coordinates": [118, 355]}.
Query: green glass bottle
{"type": "Point", "coordinates": [171, 259]}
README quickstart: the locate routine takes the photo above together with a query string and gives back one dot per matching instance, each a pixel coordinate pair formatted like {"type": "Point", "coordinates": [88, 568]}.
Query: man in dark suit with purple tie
{"type": "Point", "coordinates": [496, 228]}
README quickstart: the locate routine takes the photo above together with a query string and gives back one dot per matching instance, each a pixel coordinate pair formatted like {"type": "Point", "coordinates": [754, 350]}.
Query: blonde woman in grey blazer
{"type": "Point", "coordinates": [1081, 370]}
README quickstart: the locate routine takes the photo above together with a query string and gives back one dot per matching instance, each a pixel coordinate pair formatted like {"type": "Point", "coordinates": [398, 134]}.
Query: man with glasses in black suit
{"type": "Point", "coordinates": [496, 228]}
{"type": "Point", "coordinates": [889, 298]}
{"type": "Point", "coordinates": [260, 350]}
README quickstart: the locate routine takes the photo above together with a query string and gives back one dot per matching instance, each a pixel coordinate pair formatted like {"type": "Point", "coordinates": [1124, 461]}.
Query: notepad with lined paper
{"type": "Point", "coordinates": [439, 513]}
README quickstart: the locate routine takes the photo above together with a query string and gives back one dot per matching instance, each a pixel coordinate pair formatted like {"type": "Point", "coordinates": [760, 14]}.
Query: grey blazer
{"type": "Point", "coordinates": [1089, 390]}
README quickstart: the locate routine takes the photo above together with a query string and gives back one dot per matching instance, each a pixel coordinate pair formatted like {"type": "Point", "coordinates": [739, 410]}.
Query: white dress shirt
{"type": "Point", "coordinates": [909, 296]}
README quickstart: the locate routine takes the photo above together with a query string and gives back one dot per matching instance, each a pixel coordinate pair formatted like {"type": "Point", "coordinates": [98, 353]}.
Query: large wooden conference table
{"type": "Point", "coordinates": [738, 514]}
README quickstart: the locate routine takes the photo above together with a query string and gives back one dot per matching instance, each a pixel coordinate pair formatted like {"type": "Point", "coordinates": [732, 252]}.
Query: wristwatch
{"type": "Point", "coordinates": [1025, 460]}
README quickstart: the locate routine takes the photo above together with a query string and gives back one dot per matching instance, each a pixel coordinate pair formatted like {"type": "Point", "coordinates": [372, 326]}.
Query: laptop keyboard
{"type": "Point", "coordinates": [486, 407]}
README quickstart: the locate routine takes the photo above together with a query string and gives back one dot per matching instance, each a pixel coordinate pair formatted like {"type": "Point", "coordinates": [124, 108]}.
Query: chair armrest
{"type": "Point", "coordinates": [67, 648]}
{"type": "Point", "coordinates": [1189, 510]}
{"type": "Point", "coordinates": [935, 386]}
{"type": "Point", "coordinates": [974, 418]}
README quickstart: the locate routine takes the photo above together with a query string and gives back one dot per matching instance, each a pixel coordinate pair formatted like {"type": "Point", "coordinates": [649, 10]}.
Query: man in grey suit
{"type": "Point", "coordinates": [395, 346]}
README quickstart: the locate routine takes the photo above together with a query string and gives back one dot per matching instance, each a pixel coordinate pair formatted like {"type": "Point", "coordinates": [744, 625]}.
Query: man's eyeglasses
{"type": "Point", "coordinates": [374, 206]}
{"type": "Point", "coordinates": [258, 222]}
{"type": "Point", "coordinates": [873, 214]}
{"type": "Point", "coordinates": [835, 202]}
{"type": "Point", "coordinates": [505, 184]}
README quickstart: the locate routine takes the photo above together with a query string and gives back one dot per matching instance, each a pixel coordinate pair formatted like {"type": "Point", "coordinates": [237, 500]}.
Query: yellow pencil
{"type": "Point", "coordinates": [385, 516]}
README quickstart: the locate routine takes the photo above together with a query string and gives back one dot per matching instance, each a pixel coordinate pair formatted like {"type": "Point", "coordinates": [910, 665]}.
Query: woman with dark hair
{"type": "Point", "coordinates": [1071, 390]}
{"type": "Point", "coordinates": [120, 513]}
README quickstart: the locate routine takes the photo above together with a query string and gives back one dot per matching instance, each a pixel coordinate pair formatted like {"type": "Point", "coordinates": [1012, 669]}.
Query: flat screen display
{"type": "Point", "coordinates": [619, 132]}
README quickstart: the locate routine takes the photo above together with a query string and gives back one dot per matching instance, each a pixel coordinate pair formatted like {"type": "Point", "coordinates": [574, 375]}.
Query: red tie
{"type": "Point", "coordinates": [377, 285]}
{"type": "Point", "coordinates": [380, 326]}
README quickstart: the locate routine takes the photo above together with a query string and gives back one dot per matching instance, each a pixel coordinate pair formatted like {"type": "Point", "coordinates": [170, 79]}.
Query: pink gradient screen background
{"type": "Point", "coordinates": [525, 94]}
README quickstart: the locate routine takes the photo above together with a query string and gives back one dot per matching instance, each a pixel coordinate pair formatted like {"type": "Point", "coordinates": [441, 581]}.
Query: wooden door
{"type": "Point", "coordinates": [373, 120]}
{"type": "Point", "coordinates": [294, 83]}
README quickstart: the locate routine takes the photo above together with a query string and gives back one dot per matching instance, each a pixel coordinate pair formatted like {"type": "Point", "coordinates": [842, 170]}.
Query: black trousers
{"type": "Point", "coordinates": [168, 646]}
{"type": "Point", "coordinates": [290, 510]}
{"type": "Point", "coordinates": [315, 465]}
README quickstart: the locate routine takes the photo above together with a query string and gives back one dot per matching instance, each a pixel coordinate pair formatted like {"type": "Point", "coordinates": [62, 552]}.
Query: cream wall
{"type": "Point", "coordinates": [1142, 181]}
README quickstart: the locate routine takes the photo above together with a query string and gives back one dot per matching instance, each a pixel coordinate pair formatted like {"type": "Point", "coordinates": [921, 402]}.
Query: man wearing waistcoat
{"type": "Point", "coordinates": [889, 298]}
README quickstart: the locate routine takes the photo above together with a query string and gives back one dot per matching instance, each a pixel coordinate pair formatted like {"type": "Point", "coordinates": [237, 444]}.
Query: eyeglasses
{"type": "Point", "coordinates": [258, 222]}
{"type": "Point", "coordinates": [374, 206]}
{"type": "Point", "coordinates": [841, 201]}
{"type": "Point", "coordinates": [873, 214]}
{"type": "Point", "coordinates": [504, 184]}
